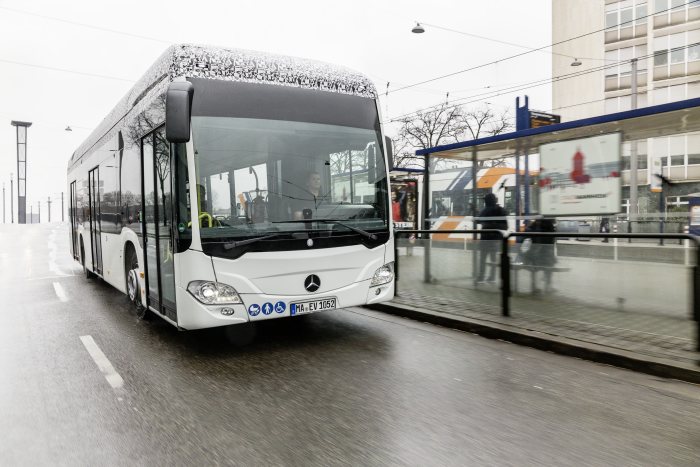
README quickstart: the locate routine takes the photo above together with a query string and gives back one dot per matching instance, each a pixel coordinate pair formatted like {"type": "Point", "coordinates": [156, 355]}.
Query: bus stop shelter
{"type": "Point", "coordinates": [594, 281]}
{"type": "Point", "coordinates": [633, 125]}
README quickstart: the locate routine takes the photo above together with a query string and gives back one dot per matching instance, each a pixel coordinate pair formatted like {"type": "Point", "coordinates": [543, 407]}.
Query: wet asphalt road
{"type": "Point", "coordinates": [351, 387]}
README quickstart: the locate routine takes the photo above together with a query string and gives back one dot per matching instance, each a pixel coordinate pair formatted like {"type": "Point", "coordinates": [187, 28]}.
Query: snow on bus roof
{"type": "Point", "coordinates": [198, 61]}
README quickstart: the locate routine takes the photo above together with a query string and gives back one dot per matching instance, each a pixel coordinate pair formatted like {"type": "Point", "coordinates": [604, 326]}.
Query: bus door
{"type": "Point", "coordinates": [74, 221]}
{"type": "Point", "coordinates": [157, 223]}
{"type": "Point", "coordinates": [95, 224]}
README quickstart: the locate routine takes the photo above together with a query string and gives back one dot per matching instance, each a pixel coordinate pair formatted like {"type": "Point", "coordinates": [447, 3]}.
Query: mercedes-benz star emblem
{"type": "Point", "coordinates": [312, 283]}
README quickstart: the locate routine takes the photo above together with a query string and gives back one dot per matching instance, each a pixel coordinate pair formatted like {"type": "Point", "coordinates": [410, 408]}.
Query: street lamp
{"type": "Point", "coordinates": [21, 169]}
{"type": "Point", "coordinates": [418, 29]}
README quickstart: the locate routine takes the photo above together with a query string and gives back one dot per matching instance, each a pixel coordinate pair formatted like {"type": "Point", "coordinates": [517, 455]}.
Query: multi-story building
{"type": "Point", "coordinates": [664, 38]}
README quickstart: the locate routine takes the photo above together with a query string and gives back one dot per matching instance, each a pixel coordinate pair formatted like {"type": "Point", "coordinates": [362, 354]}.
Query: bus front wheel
{"type": "Point", "coordinates": [133, 285]}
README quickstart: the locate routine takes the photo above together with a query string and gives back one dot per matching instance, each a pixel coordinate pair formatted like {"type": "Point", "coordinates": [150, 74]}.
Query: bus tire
{"type": "Point", "coordinates": [88, 274]}
{"type": "Point", "coordinates": [133, 285]}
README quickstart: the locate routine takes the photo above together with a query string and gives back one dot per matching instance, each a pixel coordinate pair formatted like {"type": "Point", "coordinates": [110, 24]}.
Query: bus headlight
{"type": "Point", "coordinates": [383, 275]}
{"type": "Point", "coordinates": [213, 293]}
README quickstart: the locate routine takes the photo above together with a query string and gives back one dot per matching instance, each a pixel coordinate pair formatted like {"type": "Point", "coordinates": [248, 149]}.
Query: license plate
{"type": "Point", "coordinates": [311, 306]}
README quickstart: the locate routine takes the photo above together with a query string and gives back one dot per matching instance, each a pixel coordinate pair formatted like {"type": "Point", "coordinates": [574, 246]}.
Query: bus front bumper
{"type": "Point", "coordinates": [191, 314]}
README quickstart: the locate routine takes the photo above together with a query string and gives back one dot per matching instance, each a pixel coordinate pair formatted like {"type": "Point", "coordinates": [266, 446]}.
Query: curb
{"type": "Point", "coordinates": [542, 341]}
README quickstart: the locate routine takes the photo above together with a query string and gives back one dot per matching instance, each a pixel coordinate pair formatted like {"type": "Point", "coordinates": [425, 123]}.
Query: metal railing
{"type": "Point", "coordinates": [505, 260]}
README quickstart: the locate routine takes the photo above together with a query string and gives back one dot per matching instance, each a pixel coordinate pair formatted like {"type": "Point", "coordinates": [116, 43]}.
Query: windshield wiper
{"type": "Point", "coordinates": [371, 236]}
{"type": "Point", "coordinates": [235, 244]}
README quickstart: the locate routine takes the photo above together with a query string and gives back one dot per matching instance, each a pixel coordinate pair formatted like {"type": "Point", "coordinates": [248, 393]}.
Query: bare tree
{"type": "Point", "coordinates": [346, 161]}
{"type": "Point", "coordinates": [404, 154]}
{"type": "Point", "coordinates": [445, 124]}
{"type": "Point", "coordinates": [426, 129]}
{"type": "Point", "coordinates": [483, 122]}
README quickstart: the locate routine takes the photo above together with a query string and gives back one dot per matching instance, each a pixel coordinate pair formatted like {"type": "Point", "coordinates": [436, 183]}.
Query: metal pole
{"type": "Point", "coordinates": [396, 263]}
{"type": "Point", "coordinates": [634, 203]}
{"type": "Point", "coordinates": [517, 190]}
{"type": "Point", "coordinates": [526, 179]}
{"type": "Point", "coordinates": [22, 130]}
{"type": "Point", "coordinates": [352, 192]}
{"type": "Point", "coordinates": [475, 174]}
{"type": "Point", "coordinates": [426, 219]}
{"type": "Point", "coordinates": [49, 208]}
{"type": "Point", "coordinates": [505, 277]}
{"type": "Point", "coordinates": [662, 210]}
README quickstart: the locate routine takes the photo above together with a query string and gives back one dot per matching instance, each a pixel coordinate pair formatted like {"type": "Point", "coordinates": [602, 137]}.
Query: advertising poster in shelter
{"type": "Point", "coordinates": [581, 177]}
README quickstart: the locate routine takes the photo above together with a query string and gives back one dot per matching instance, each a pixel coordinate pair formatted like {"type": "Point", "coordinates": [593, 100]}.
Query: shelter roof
{"type": "Point", "coordinates": [648, 122]}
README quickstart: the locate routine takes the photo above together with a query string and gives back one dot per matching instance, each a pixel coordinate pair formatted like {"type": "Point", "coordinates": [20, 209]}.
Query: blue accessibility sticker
{"type": "Point", "coordinates": [267, 308]}
{"type": "Point", "coordinates": [280, 307]}
{"type": "Point", "coordinates": [254, 309]}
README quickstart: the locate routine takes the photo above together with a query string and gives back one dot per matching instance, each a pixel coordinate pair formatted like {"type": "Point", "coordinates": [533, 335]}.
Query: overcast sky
{"type": "Point", "coordinates": [373, 37]}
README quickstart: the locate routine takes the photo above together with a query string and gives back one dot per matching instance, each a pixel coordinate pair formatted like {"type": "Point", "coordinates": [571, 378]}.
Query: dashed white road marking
{"type": "Point", "coordinates": [102, 362]}
{"type": "Point", "coordinates": [60, 293]}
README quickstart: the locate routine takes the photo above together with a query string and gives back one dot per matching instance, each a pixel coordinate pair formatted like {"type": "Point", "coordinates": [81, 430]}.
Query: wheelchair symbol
{"type": "Point", "coordinates": [280, 307]}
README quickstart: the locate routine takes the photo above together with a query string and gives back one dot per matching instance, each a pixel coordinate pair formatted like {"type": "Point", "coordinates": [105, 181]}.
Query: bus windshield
{"type": "Point", "coordinates": [256, 177]}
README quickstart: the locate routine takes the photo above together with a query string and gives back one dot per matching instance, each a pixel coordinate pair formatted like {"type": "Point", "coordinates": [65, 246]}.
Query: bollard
{"type": "Point", "coordinates": [615, 243]}
{"type": "Point", "coordinates": [505, 278]}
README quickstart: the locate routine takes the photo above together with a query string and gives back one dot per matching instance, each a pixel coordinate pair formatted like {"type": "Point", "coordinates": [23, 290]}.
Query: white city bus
{"type": "Point", "coordinates": [209, 197]}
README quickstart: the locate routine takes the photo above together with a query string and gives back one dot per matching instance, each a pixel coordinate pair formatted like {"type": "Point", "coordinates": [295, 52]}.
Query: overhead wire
{"type": "Point", "coordinates": [500, 92]}
{"type": "Point", "coordinates": [532, 84]}
{"type": "Point", "coordinates": [65, 70]}
{"type": "Point", "coordinates": [535, 49]}
{"type": "Point", "coordinates": [499, 41]}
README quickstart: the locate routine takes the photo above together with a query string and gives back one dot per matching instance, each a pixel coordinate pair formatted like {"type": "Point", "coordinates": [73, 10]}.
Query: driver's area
{"type": "Point", "coordinates": [255, 177]}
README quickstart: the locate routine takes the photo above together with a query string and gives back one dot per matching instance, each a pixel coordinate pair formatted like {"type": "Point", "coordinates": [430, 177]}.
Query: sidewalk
{"type": "Point", "coordinates": [657, 343]}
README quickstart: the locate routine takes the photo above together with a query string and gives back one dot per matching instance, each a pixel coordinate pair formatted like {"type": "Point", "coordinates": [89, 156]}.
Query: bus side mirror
{"type": "Point", "coordinates": [178, 108]}
{"type": "Point", "coordinates": [389, 152]}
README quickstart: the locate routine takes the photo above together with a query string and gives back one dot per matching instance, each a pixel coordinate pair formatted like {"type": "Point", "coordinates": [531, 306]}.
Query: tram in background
{"type": "Point", "coordinates": [451, 196]}
{"type": "Point", "coordinates": [213, 194]}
